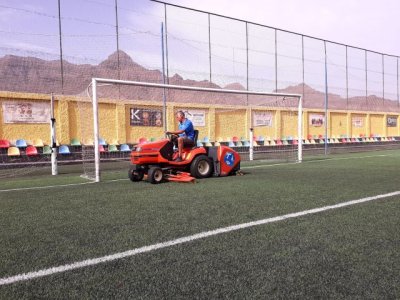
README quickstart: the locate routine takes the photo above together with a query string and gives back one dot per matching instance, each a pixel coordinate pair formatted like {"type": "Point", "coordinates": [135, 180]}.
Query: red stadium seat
{"type": "Point", "coordinates": [142, 140]}
{"type": "Point", "coordinates": [31, 151]}
{"type": "Point", "coordinates": [4, 144]}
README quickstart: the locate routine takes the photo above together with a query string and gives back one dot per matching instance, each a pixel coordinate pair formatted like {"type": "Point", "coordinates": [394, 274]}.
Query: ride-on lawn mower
{"type": "Point", "coordinates": [157, 161]}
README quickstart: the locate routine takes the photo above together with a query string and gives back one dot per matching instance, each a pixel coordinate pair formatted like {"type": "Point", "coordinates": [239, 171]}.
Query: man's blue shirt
{"type": "Point", "coordinates": [187, 125]}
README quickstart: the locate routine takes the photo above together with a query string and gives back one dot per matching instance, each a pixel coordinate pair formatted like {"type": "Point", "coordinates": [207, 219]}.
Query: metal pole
{"type": "Point", "coordinates": [61, 52]}
{"type": "Point", "coordinates": [209, 45]}
{"type": "Point", "coordinates": [247, 80]}
{"type": "Point", "coordinates": [96, 130]}
{"type": "Point", "coordinates": [383, 79]}
{"type": "Point", "coordinates": [117, 33]}
{"type": "Point", "coordinates": [326, 101]}
{"type": "Point", "coordinates": [366, 77]}
{"type": "Point", "coordinates": [247, 57]}
{"type": "Point", "coordinates": [302, 61]}
{"type": "Point", "coordinates": [54, 166]}
{"type": "Point", "coordinates": [276, 61]}
{"type": "Point", "coordinates": [163, 78]}
{"type": "Point", "coordinates": [347, 80]}
{"type": "Point", "coordinates": [398, 99]}
{"type": "Point", "coordinates": [166, 40]}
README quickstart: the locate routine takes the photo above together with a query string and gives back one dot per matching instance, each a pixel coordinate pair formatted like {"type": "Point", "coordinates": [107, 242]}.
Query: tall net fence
{"type": "Point", "coordinates": [350, 94]}
{"type": "Point", "coordinates": [120, 39]}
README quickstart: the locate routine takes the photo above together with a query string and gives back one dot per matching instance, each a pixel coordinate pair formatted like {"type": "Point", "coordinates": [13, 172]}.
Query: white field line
{"type": "Point", "coordinates": [315, 161]}
{"type": "Point", "coordinates": [45, 187]}
{"type": "Point", "coordinates": [248, 167]}
{"type": "Point", "coordinates": [182, 240]}
{"type": "Point", "coordinates": [60, 185]}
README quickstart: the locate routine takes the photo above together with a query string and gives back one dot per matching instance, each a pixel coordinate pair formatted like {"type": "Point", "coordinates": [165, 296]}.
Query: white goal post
{"type": "Point", "coordinates": [96, 82]}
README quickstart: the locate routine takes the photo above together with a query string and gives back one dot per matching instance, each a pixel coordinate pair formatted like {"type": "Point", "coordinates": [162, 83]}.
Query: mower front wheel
{"type": "Point", "coordinates": [202, 167]}
{"type": "Point", "coordinates": [155, 175]}
{"type": "Point", "coordinates": [135, 174]}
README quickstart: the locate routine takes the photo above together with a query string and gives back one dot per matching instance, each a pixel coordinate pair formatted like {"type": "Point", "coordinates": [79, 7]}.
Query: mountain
{"type": "Point", "coordinates": [35, 75]}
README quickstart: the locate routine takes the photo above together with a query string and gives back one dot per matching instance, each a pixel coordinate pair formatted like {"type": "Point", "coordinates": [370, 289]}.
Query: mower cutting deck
{"type": "Point", "coordinates": [157, 161]}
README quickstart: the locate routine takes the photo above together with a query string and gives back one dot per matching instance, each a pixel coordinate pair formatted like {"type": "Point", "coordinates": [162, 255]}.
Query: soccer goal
{"type": "Point", "coordinates": [258, 125]}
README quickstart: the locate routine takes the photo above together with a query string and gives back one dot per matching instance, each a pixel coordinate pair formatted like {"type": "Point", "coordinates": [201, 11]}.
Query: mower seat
{"type": "Point", "coordinates": [196, 135]}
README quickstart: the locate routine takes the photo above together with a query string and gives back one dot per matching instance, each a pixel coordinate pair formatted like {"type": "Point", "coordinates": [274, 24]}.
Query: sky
{"type": "Point", "coordinates": [369, 24]}
{"type": "Point", "coordinates": [30, 28]}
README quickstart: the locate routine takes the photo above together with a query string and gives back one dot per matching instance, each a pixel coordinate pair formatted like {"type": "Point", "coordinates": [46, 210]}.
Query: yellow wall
{"type": "Point", "coordinates": [377, 124]}
{"type": "Point", "coordinates": [288, 124]}
{"type": "Point", "coordinates": [230, 122]}
{"type": "Point", "coordinates": [74, 116]}
{"type": "Point", "coordinates": [338, 124]}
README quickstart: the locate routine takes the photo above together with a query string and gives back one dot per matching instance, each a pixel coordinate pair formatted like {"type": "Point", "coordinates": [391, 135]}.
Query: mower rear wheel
{"type": "Point", "coordinates": [155, 175]}
{"type": "Point", "coordinates": [135, 174]}
{"type": "Point", "coordinates": [202, 167]}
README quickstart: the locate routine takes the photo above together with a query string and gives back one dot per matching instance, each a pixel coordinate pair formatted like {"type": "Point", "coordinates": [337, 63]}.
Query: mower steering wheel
{"type": "Point", "coordinates": [171, 136]}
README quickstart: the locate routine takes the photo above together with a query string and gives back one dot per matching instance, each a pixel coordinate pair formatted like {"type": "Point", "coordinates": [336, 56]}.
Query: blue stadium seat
{"type": "Point", "coordinates": [125, 148]}
{"type": "Point", "coordinates": [102, 142]}
{"type": "Point", "coordinates": [20, 143]}
{"type": "Point", "coordinates": [64, 150]}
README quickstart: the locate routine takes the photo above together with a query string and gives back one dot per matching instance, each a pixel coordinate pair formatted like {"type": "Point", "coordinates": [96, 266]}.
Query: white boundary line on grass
{"type": "Point", "coordinates": [46, 187]}
{"type": "Point", "coordinates": [314, 161]}
{"type": "Point", "coordinates": [182, 240]}
{"type": "Point", "coordinates": [248, 167]}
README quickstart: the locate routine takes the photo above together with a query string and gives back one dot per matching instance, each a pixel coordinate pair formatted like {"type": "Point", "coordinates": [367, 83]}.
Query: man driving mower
{"type": "Point", "coordinates": [184, 136]}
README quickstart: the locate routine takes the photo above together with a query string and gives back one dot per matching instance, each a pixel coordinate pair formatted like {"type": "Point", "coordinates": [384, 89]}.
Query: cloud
{"type": "Point", "coordinates": [28, 47]}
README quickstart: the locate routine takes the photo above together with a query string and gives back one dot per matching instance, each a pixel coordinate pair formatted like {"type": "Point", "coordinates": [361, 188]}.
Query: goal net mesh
{"type": "Point", "coordinates": [129, 114]}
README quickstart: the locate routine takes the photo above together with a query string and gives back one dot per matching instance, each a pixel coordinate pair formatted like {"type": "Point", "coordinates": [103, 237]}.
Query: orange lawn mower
{"type": "Point", "coordinates": [156, 160]}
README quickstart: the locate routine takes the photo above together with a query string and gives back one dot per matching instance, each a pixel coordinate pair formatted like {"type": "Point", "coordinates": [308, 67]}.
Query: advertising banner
{"type": "Point", "coordinates": [317, 120]}
{"type": "Point", "coordinates": [146, 117]}
{"type": "Point", "coordinates": [262, 119]}
{"type": "Point", "coordinates": [198, 117]}
{"type": "Point", "coordinates": [391, 121]}
{"type": "Point", "coordinates": [26, 112]}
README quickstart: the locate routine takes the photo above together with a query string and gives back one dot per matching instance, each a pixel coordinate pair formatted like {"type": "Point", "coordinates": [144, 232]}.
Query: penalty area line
{"type": "Point", "coordinates": [182, 240]}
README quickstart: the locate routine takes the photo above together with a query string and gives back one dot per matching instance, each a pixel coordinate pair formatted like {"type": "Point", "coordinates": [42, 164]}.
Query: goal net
{"type": "Point", "coordinates": [122, 114]}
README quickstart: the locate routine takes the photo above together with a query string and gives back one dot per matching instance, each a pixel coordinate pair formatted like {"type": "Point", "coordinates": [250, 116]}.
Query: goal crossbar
{"type": "Point", "coordinates": [96, 81]}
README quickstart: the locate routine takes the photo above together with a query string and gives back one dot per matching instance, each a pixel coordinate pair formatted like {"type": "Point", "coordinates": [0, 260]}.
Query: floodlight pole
{"type": "Point", "coordinates": [163, 78]}
{"type": "Point", "coordinates": [96, 130]}
{"type": "Point", "coordinates": [54, 167]}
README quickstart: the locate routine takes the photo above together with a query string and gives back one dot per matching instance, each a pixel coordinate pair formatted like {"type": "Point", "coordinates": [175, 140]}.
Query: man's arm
{"type": "Point", "coordinates": [175, 132]}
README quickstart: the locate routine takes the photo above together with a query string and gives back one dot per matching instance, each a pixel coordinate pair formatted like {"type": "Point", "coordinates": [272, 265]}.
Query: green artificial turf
{"type": "Point", "coordinates": [345, 253]}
